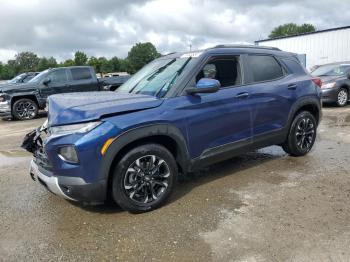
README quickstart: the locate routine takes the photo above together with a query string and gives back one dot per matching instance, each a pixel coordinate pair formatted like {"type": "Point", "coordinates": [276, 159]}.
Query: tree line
{"type": "Point", "coordinates": [139, 55]}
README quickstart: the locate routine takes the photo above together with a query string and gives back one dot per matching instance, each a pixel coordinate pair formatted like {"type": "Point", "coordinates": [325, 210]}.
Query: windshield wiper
{"type": "Point", "coordinates": [177, 73]}
{"type": "Point", "coordinates": [152, 75]}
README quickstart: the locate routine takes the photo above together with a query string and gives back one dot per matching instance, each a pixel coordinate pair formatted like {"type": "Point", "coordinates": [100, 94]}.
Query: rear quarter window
{"type": "Point", "coordinates": [294, 66]}
{"type": "Point", "coordinates": [263, 68]}
{"type": "Point", "coordinates": [81, 73]}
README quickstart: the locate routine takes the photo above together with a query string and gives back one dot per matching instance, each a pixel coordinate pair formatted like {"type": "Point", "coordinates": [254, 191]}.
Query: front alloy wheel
{"type": "Point", "coordinates": [24, 109]}
{"type": "Point", "coordinates": [144, 178]}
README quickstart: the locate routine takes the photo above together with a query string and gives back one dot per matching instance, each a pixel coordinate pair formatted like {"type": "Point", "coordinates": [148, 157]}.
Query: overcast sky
{"type": "Point", "coordinates": [111, 27]}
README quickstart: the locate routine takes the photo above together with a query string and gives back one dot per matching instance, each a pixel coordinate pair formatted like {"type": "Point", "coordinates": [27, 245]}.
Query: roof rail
{"type": "Point", "coordinates": [247, 46]}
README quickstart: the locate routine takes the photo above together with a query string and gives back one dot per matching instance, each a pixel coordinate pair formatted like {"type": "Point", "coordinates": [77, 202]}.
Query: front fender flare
{"type": "Point", "coordinates": [135, 134]}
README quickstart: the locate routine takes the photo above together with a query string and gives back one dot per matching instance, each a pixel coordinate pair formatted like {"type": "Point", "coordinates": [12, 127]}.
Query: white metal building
{"type": "Point", "coordinates": [317, 48]}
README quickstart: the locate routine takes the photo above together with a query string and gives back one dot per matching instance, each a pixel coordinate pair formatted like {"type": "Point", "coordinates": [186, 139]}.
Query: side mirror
{"type": "Point", "coordinates": [46, 81]}
{"type": "Point", "coordinates": [205, 85]}
{"type": "Point", "coordinates": [348, 75]}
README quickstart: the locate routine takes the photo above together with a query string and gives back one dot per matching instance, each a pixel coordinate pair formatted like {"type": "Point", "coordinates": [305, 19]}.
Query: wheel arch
{"type": "Point", "coordinates": [31, 97]}
{"type": "Point", "coordinates": [166, 135]}
{"type": "Point", "coordinates": [311, 104]}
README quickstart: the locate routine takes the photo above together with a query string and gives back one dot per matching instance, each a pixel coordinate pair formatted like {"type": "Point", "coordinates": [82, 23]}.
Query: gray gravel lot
{"type": "Point", "coordinates": [261, 206]}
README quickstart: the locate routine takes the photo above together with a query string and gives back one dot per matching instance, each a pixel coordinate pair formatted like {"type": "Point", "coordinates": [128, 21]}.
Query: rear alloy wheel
{"type": "Point", "coordinates": [342, 97]}
{"type": "Point", "coordinates": [24, 109]}
{"type": "Point", "coordinates": [144, 178]}
{"type": "Point", "coordinates": [302, 135]}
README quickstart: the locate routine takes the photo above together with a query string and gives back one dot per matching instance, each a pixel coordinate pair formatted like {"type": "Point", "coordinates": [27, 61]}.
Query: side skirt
{"type": "Point", "coordinates": [227, 151]}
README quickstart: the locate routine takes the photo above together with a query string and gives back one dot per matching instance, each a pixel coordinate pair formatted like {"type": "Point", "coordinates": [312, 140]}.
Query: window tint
{"type": "Point", "coordinates": [58, 76]}
{"type": "Point", "coordinates": [294, 66]}
{"type": "Point", "coordinates": [81, 73]}
{"type": "Point", "coordinates": [263, 68]}
{"type": "Point", "coordinates": [226, 70]}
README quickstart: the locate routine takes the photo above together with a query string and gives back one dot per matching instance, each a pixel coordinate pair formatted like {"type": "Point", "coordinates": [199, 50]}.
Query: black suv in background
{"type": "Point", "coordinates": [22, 101]}
{"type": "Point", "coordinates": [335, 79]}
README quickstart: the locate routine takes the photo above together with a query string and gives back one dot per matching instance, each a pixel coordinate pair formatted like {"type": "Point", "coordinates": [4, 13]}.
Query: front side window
{"type": "Point", "coordinates": [58, 76]}
{"type": "Point", "coordinates": [81, 73]}
{"type": "Point", "coordinates": [263, 68]}
{"type": "Point", "coordinates": [226, 70]}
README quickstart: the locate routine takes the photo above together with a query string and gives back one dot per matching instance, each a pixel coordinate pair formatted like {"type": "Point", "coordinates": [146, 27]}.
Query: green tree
{"type": "Point", "coordinates": [46, 63]}
{"type": "Point", "coordinates": [291, 29]}
{"type": "Point", "coordinates": [68, 62]}
{"type": "Point", "coordinates": [96, 63]}
{"type": "Point", "coordinates": [124, 66]}
{"type": "Point", "coordinates": [7, 72]}
{"type": "Point", "coordinates": [105, 65]}
{"type": "Point", "coordinates": [115, 64]}
{"type": "Point", "coordinates": [80, 58]}
{"type": "Point", "coordinates": [141, 54]}
{"type": "Point", "coordinates": [26, 61]}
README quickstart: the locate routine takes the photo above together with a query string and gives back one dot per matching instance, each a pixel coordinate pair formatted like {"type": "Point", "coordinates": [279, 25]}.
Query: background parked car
{"type": "Point", "coordinates": [23, 101]}
{"type": "Point", "coordinates": [22, 78]}
{"type": "Point", "coordinates": [335, 82]}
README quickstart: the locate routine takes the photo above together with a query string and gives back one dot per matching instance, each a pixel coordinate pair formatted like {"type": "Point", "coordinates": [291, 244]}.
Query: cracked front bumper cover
{"type": "Point", "coordinates": [50, 182]}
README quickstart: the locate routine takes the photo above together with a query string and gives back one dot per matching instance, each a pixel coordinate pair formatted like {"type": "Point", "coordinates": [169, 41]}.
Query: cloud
{"type": "Point", "coordinates": [111, 27]}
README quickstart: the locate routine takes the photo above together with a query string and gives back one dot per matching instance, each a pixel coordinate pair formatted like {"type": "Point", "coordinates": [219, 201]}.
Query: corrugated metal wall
{"type": "Point", "coordinates": [320, 48]}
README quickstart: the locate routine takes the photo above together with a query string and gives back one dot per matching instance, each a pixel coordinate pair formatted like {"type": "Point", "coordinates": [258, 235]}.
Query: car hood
{"type": "Point", "coordinates": [83, 107]}
{"type": "Point", "coordinates": [8, 87]}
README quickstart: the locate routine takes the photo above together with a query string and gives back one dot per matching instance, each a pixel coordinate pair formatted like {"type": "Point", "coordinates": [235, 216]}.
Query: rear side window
{"type": "Point", "coordinates": [81, 73]}
{"type": "Point", "coordinates": [263, 68]}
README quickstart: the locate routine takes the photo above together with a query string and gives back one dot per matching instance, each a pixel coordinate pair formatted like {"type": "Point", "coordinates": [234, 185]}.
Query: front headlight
{"type": "Point", "coordinates": [73, 129]}
{"type": "Point", "coordinates": [329, 85]}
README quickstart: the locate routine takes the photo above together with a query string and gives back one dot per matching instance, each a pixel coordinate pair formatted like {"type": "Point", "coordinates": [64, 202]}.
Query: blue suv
{"type": "Point", "coordinates": [179, 113]}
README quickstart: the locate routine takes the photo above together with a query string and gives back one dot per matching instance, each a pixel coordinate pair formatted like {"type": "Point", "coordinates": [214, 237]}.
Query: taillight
{"type": "Point", "coordinates": [317, 81]}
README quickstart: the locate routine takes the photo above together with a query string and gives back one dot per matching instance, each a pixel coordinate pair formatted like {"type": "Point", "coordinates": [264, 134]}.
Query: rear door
{"type": "Point", "coordinates": [82, 80]}
{"type": "Point", "coordinates": [58, 83]}
{"type": "Point", "coordinates": [272, 92]}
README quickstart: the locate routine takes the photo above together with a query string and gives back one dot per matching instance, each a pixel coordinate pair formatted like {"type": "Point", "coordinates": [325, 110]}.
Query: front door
{"type": "Point", "coordinates": [218, 121]}
{"type": "Point", "coordinates": [58, 83]}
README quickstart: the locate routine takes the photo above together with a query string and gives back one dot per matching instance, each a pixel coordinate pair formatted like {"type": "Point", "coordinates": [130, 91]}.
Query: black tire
{"type": "Point", "coordinates": [342, 97]}
{"type": "Point", "coordinates": [140, 180]}
{"type": "Point", "coordinates": [24, 109]}
{"type": "Point", "coordinates": [302, 135]}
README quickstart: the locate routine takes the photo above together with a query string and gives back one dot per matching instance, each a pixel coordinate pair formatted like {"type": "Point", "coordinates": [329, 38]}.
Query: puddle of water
{"type": "Point", "coordinates": [11, 157]}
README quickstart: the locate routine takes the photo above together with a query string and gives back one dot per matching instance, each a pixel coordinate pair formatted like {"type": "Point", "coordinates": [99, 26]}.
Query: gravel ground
{"type": "Point", "coordinates": [261, 206]}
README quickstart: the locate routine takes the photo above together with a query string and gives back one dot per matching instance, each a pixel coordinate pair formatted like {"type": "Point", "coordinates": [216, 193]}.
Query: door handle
{"type": "Point", "coordinates": [292, 86]}
{"type": "Point", "coordinates": [242, 95]}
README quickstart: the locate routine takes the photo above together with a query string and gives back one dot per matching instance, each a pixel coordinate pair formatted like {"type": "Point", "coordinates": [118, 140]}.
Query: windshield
{"type": "Point", "coordinates": [331, 70]}
{"type": "Point", "coordinates": [156, 78]}
{"type": "Point", "coordinates": [39, 77]}
{"type": "Point", "coordinates": [16, 79]}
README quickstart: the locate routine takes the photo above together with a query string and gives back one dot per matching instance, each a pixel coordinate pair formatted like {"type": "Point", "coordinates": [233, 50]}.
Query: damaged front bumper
{"type": "Point", "coordinates": [50, 182]}
{"type": "Point", "coordinates": [61, 178]}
